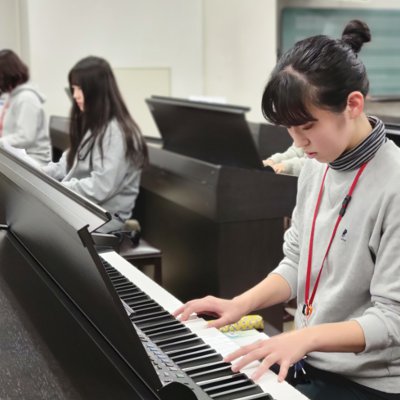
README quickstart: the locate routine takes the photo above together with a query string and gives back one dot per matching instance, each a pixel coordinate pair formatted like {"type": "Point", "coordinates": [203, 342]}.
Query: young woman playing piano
{"type": "Point", "coordinates": [107, 151]}
{"type": "Point", "coordinates": [342, 257]}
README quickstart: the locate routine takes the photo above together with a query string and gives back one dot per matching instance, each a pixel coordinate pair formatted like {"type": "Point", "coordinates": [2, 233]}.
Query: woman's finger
{"type": "Point", "coordinates": [265, 365]}
{"type": "Point", "coordinates": [283, 371]}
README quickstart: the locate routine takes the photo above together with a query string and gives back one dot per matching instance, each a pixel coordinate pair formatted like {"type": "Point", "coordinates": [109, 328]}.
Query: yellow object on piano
{"type": "Point", "coordinates": [245, 323]}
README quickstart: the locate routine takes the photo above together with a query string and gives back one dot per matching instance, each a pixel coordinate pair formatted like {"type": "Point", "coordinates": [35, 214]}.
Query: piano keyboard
{"type": "Point", "coordinates": [187, 352]}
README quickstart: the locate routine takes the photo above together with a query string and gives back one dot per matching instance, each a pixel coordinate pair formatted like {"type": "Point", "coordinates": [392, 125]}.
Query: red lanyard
{"type": "Point", "coordinates": [308, 301]}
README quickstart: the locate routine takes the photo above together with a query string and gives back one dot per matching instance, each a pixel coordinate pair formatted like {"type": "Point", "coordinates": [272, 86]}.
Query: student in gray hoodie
{"type": "Point", "coordinates": [23, 122]}
{"type": "Point", "coordinates": [107, 151]}
{"type": "Point", "coordinates": [341, 257]}
{"type": "Point", "coordinates": [289, 162]}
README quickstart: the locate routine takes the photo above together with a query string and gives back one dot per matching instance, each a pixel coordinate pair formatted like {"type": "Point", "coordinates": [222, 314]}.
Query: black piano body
{"type": "Point", "coordinates": [220, 228]}
{"type": "Point", "coordinates": [207, 202]}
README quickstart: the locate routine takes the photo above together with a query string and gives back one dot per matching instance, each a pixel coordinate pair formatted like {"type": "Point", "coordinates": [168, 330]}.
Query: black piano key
{"type": "Point", "coordinates": [153, 313]}
{"type": "Point", "coordinates": [182, 344]}
{"type": "Point", "coordinates": [200, 360]}
{"type": "Point", "coordinates": [204, 367]}
{"type": "Point", "coordinates": [127, 290]}
{"type": "Point", "coordinates": [209, 382]}
{"type": "Point", "coordinates": [140, 302]}
{"type": "Point", "coordinates": [187, 356]}
{"type": "Point", "coordinates": [236, 392]}
{"type": "Point", "coordinates": [114, 274]}
{"type": "Point", "coordinates": [168, 333]}
{"type": "Point", "coordinates": [134, 296]}
{"type": "Point", "coordinates": [146, 309]}
{"type": "Point", "coordinates": [161, 316]}
{"type": "Point", "coordinates": [187, 350]}
{"type": "Point", "coordinates": [117, 280]}
{"type": "Point", "coordinates": [175, 339]}
{"type": "Point", "coordinates": [230, 382]}
{"type": "Point", "coordinates": [133, 293]}
{"type": "Point", "coordinates": [209, 371]}
{"type": "Point", "coordinates": [148, 329]}
{"type": "Point", "coordinates": [121, 286]}
{"type": "Point", "coordinates": [258, 396]}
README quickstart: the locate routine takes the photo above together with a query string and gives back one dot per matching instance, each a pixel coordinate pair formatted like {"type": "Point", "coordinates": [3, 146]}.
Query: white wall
{"type": "Point", "coordinates": [239, 50]}
{"type": "Point", "coordinates": [223, 48]}
{"type": "Point", "coordinates": [140, 34]}
{"type": "Point", "coordinates": [9, 25]}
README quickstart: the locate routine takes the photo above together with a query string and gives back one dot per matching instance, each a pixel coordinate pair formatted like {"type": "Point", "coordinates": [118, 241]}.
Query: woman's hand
{"type": "Point", "coordinates": [268, 162]}
{"type": "Point", "coordinates": [226, 311]}
{"type": "Point", "coordinates": [284, 349]}
{"type": "Point", "coordinates": [279, 168]}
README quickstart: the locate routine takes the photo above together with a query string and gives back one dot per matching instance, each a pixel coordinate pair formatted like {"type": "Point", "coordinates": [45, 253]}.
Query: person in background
{"type": "Point", "coordinates": [289, 162]}
{"type": "Point", "coordinates": [341, 253]}
{"type": "Point", "coordinates": [107, 150]}
{"type": "Point", "coordinates": [23, 122]}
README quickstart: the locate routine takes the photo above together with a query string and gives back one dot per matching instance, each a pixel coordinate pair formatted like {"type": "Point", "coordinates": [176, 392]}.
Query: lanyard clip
{"type": "Point", "coordinates": [307, 310]}
{"type": "Point", "coordinates": [345, 203]}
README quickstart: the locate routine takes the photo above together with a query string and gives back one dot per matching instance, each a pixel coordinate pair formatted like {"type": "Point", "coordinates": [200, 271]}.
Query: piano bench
{"type": "Point", "coordinates": [142, 255]}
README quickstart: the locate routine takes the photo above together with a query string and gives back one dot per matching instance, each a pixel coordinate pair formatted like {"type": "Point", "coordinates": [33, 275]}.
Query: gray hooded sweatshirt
{"type": "Point", "coordinates": [25, 124]}
{"type": "Point", "coordinates": [110, 181]}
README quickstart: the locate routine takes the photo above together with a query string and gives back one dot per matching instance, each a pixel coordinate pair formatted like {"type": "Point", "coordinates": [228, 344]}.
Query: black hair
{"type": "Point", "coordinates": [103, 102]}
{"type": "Point", "coordinates": [13, 71]}
{"type": "Point", "coordinates": [318, 71]}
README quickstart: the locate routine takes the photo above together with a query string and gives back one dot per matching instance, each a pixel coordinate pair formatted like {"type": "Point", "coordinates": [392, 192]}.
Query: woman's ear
{"type": "Point", "coordinates": [355, 104]}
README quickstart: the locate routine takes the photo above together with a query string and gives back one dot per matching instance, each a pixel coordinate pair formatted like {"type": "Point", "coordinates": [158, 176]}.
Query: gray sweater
{"type": "Point", "coordinates": [25, 124]}
{"type": "Point", "coordinates": [292, 159]}
{"type": "Point", "coordinates": [361, 279]}
{"type": "Point", "coordinates": [112, 183]}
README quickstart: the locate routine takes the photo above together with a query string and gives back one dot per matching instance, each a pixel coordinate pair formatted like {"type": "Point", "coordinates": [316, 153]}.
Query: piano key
{"type": "Point", "coordinates": [155, 327]}
{"type": "Point", "coordinates": [258, 396]}
{"type": "Point", "coordinates": [199, 360]}
{"type": "Point", "coordinates": [181, 343]}
{"type": "Point", "coordinates": [157, 316]}
{"type": "Point", "coordinates": [211, 371]}
{"type": "Point", "coordinates": [187, 355]}
{"type": "Point", "coordinates": [242, 387]}
{"type": "Point", "coordinates": [188, 349]}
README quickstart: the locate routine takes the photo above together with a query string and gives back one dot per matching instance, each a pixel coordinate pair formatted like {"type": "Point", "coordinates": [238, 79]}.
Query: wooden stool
{"type": "Point", "coordinates": [142, 255]}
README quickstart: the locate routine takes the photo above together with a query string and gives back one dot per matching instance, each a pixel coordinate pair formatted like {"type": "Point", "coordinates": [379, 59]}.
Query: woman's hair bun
{"type": "Point", "coordinates": [355, 34]}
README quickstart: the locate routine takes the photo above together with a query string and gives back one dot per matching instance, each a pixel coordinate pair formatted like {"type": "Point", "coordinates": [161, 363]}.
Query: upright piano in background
{"type": "Point", "coordinates": [207, 202]}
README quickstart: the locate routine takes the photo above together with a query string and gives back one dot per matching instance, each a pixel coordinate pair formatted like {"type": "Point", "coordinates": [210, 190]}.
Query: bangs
{"type": "Point", "coordinates": [286, 99]}
{"type": "Point", "coordinates": [74, 78]}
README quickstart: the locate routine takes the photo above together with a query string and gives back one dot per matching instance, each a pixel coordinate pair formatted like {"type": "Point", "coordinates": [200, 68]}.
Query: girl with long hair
{"type": "Point", "coordinates": [107, 150]}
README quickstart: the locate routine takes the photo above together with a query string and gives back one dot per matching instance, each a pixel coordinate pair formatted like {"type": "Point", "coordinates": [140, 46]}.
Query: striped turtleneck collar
{"type": "Point", "coordinates": [365, 151]}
